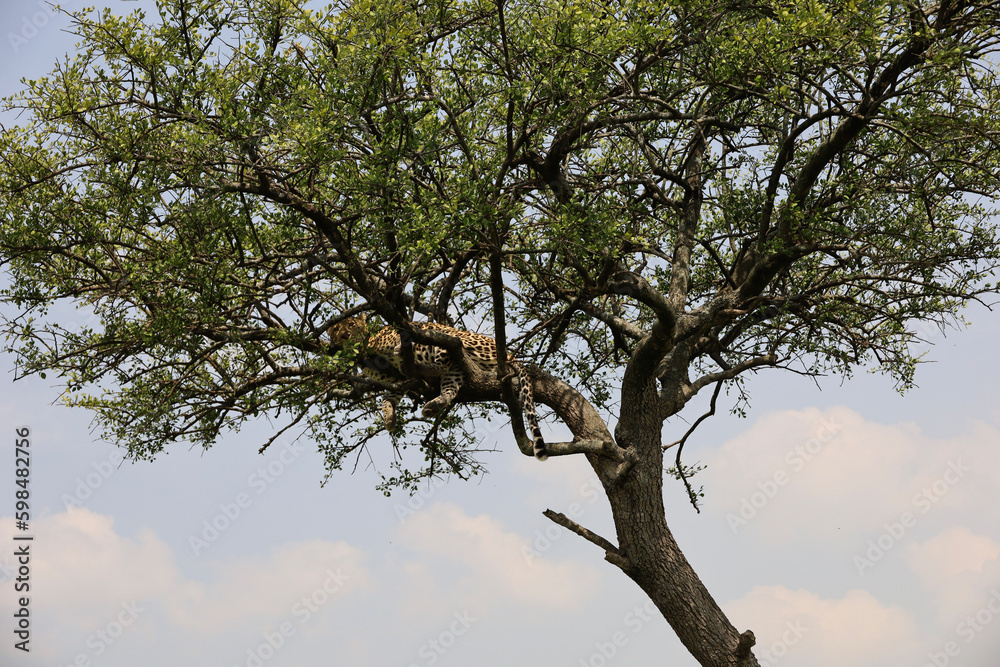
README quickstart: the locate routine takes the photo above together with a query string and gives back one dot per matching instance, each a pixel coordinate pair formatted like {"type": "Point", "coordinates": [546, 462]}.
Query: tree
{"type": "Point", "coordinates": [642, 200]}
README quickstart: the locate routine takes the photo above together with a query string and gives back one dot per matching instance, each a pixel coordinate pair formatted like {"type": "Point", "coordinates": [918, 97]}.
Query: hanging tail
{"type": "Point", "coordinates": [525, 397]}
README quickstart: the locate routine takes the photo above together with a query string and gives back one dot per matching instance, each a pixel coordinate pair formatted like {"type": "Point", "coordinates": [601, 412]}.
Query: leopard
{"type": "Point", "coordinates": [384, 349]}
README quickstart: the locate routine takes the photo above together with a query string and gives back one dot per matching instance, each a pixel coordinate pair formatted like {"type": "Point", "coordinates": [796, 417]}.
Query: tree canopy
{"type": "Point", "coordinates": [640, 199]}
{"type": "Point", "coordinates": [778, 184]}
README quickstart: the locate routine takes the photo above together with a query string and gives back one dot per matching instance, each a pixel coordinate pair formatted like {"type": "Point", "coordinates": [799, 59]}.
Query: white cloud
{"type": "Point", "coordinates": [560, 480]}
{"type": "Point", "coordinates": [959, 568]}
{"type": "Point", "coordinates": [953, 552]}
{"type": "Point", "coordinates": [265, 588]}
{"type": "Point", "coordinates": [83, 572]}
{"type": "Point", "coordinates": [846, 497]}
{"type": "Point", "coordinates": [81, 567]}
{"type": "Point", "coordinates": [798, 627]}
{"type": "Point", "coordinates": [492, 564]}
{"type": "Point", "coordinates": [443, 561]}
{"type": "Point", "coordinates": [830, 474]}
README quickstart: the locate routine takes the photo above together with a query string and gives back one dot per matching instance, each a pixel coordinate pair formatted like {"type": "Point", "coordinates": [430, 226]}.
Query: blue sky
{"type": "Point", "coordinates": [844, 526]}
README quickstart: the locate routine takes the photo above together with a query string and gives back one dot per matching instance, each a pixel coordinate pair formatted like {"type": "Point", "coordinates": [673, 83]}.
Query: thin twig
{"type": "Point", "coordinates": [680, 443]}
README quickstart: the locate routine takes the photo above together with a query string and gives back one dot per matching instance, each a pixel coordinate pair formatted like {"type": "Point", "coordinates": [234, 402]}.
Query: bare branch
{"type": "Point", "coordinates": [586, 534]}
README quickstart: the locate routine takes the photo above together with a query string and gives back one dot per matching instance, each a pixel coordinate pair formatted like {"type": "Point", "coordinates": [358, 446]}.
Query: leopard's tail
{"type": "Point", "coordinates": [525, 397]}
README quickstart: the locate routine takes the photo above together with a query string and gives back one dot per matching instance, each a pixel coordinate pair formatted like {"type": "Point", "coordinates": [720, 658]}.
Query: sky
{"type": "Point", "coordinates": [843, 523]}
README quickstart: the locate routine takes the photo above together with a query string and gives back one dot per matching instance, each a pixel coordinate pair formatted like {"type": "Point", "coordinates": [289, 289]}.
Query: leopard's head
{"type": "Point", "coordinates": [349, 330]}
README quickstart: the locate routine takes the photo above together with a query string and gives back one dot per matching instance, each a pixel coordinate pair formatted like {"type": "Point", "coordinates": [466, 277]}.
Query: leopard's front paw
{"type": "Point", "coordinates": [389, 414]}
{"type": "Point", "coordinates": [434, 406]}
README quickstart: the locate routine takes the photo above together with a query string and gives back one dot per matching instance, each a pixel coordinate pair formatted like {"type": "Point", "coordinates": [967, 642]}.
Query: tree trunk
{"type": "Point", "coordinates": [651, 556]}
{"type": "Point", "coordinates": [647, 551]}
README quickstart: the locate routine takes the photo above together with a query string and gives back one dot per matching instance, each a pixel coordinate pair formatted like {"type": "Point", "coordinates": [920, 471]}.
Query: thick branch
{"type": "Point", "coordinates": [846, 131]}
{"type": "Point", "coordinates": [680, 272]}
{"type": "Point", "coordinates": [727, 374]}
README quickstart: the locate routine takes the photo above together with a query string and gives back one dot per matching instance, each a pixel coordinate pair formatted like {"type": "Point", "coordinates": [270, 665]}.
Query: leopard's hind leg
{"type": "Point", "coordinates": [451, 382]}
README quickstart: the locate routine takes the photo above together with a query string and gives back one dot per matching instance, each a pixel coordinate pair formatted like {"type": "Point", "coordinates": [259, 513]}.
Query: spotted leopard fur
{"type": "Point", "coordinates": [385, 348]}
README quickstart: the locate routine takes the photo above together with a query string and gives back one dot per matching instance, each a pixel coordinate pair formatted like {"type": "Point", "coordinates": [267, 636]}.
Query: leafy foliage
{"type": "Point", "coordinates": [796, 181]}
